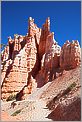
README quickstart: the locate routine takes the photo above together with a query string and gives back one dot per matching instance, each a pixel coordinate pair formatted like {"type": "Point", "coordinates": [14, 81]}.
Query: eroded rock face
{"type": "Point", "coordinates": [44, 33]}
{"type": "Point", "coordinates": [33, 30]}
{"type": "Point", "coordinates": [27, 89]}
{"type": "Point", "coordinates": [50, 61]}
{"type": "Point", "coordinates": [15, 75]}
{"type": "Point", "coordinates": [67, 110]}
{"type": "Point", "coordinates": [70, 55]}
{"type": "Point", "coordinates": [36, 53]}
{"type": "Point", "coordinates": [23, 58]}
{"type": "Point", "coordinates": [5, 54]}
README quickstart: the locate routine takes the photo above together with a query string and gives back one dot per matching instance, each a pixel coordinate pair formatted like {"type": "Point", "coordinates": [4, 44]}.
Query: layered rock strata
{"type": "Point", "coordinates": [70, 54]}
{"type": "Point", "coordinates": [32, 60]}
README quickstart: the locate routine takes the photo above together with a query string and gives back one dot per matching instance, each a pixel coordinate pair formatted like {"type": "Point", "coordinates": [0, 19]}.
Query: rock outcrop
{"type": "Point", "coordinates": [70, 55]}
{"type": "Point", "coordinates": [43, 38]}
{"type": "Point", "coordinates": [27, 89]}
{"type": "Point", "coordinates": [32, 60]}
{"type": "Point", "coordinates": [22, 59]}
{"type": "Point", "coordinates": [50, 61]}
{"type": "Point", "coordinates": [68, 109]}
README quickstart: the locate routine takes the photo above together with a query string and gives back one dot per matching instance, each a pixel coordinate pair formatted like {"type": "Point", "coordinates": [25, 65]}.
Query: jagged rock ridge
{"type": "Point", "coordinates": [32, 60]}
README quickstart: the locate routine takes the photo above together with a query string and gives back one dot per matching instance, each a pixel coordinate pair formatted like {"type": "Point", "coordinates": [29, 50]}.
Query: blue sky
{"type": "Point", "coordinates": [65, 18]}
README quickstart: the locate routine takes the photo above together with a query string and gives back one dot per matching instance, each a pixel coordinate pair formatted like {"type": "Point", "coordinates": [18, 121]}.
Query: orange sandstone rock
{"type": "Point", "coordinates": [70, 55]}
{"type": "Point", "coordinates": [38, 54]}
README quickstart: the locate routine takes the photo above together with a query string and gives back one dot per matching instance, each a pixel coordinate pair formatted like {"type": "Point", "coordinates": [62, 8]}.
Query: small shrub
{"type": "Point", "coordinates": [11, 97]}
{"type": "Point", "coordinates": [72, 85]}
{"type": "Point", "coordinates": [69, 88]}
{"type": "Point", "coordinates": [16, 112]}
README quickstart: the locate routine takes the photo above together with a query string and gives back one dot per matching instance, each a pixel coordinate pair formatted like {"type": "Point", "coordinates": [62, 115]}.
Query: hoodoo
{"type": "Point", "coordinates": [30, 61]}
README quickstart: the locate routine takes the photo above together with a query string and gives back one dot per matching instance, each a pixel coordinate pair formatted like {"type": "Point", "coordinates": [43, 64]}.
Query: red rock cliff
{"type": "Point", "coordinates": [32, 60]}
{"type": "Point", "coordinates": [70, 55]}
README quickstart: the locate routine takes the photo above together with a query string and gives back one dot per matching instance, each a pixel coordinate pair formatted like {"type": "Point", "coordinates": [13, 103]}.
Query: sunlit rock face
{"type": "Point", "coordinates": [19, 58]}
{"type": "Point", "coordinates": [43, 38]}
{"type": "Point", "coordinates": [70, 55]}
{"type": "Point", "coordinates": [50, 61]}
{"type": "Point", "coordinates": [27, 89]}
{"type": "Point", "coordinates": [32, 60]}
